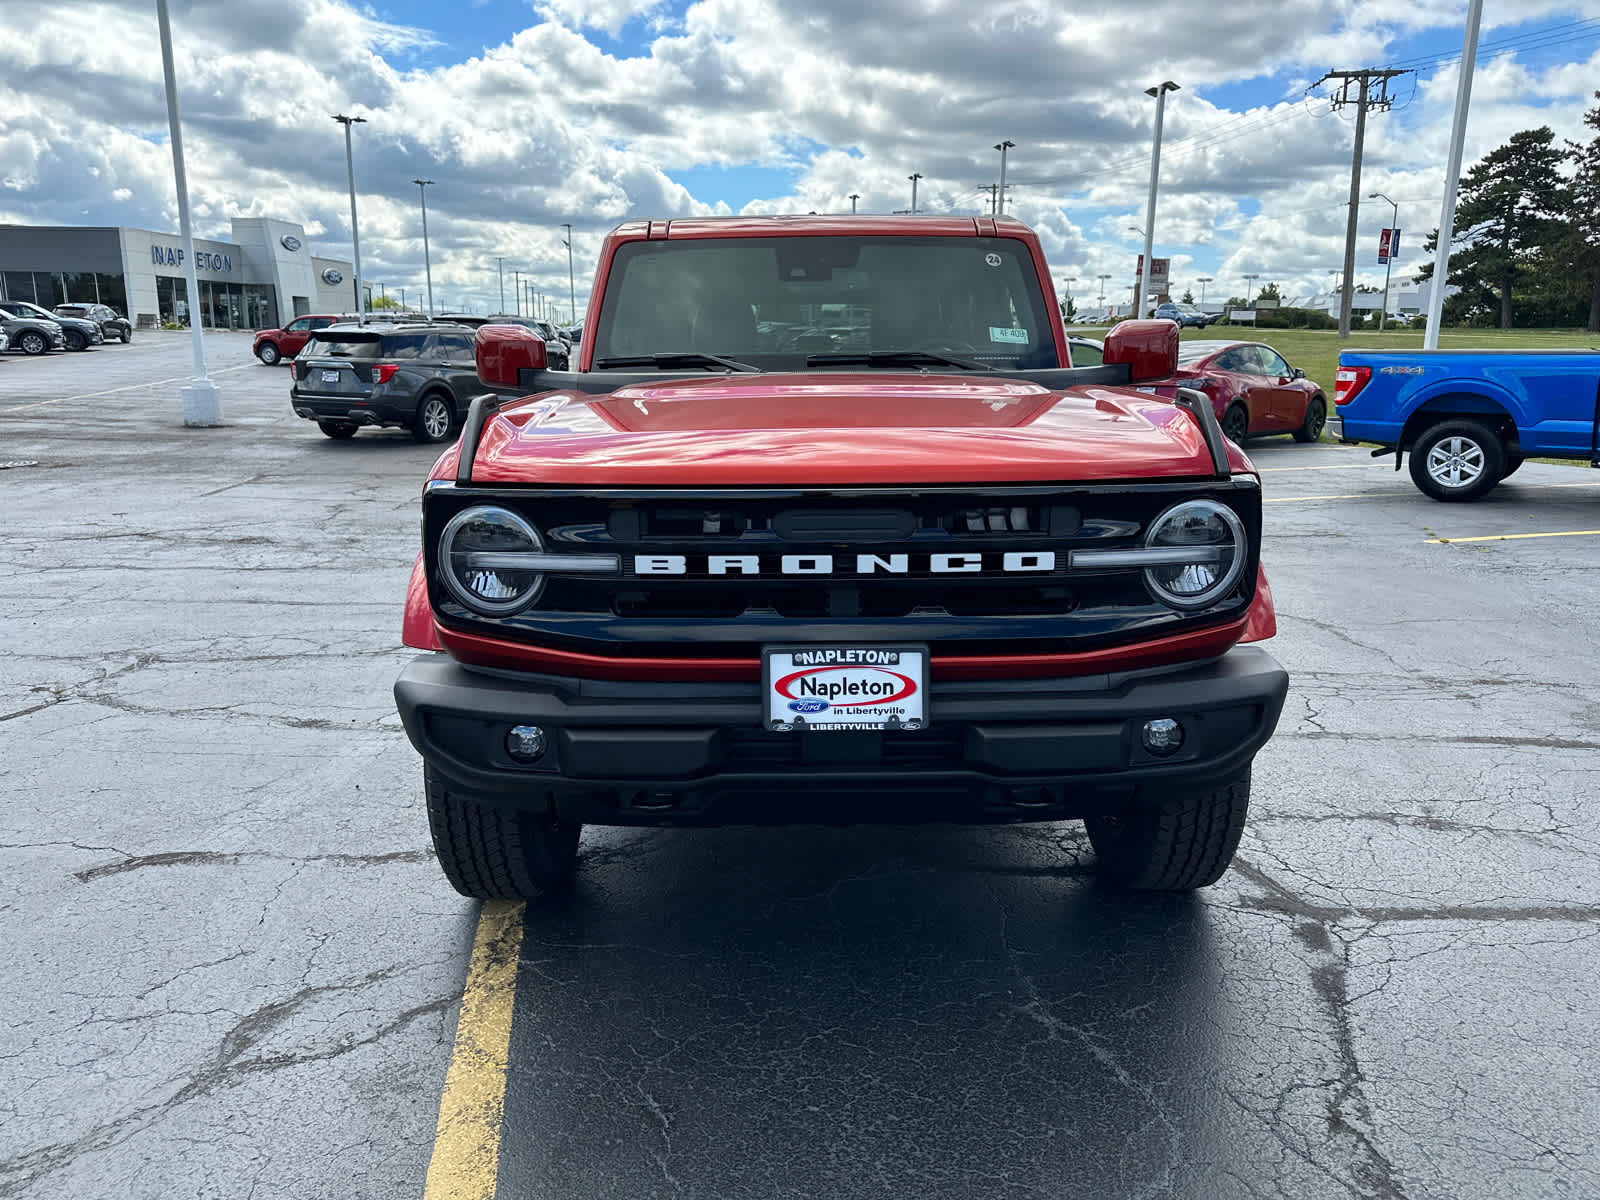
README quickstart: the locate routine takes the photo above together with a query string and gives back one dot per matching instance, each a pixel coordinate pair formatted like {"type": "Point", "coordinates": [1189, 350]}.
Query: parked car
{"type": "Point", "coordinates": [421, 376]}
{"type": "Point", "coordinates": [272, 346]}
{"type": "Point", "coordinates": [77, 334]}
{"type": "Point", "coordinates": [31, 335]}
{"type": "Point", "coordinates": [1470, 417]}
{"type": "Point", "coordinates": [1185, 315]}
{"type": "Point", "coordinates": [5, 341]}
{"type": "Point", "coordinates": [558, 350]}
{"type": "Point", "coordinates": [112, 323]}
{"type": "Point", "coordinates": [1253, 389]}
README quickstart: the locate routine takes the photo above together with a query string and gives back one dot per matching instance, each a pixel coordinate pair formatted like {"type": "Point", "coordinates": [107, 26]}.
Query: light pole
{"type": "Point", "coordinates": [516, 290]}
{"type": "Point", "coordinates": [854, 196]}
{"type": "Point", "coordinates": [1250, 286]}
{"type": "Point", "coordinates": [914, 178]}
{"type": "Point", "coordinates": [1160, 93]}
{"type": "Point", "coordinates": [355, 236]}
{"type": "Point", "coordinates": [427, 263]}
{"type": "Point", "coordinates": [1103, 279]}
{"type": "Point", "coordinates": [500, 268]}
{"type": "Point", "coordinates": [1394, 224]}
{"type": "Point", "coordinates": [1452, 175]}
{"type": "Point", "coordinates": [1204, 279]}
{"type": "Point", "coordinates": [201, 403]}
{"type": "Point", "coordinates": [572, 286]}
{"type": "Point", "coordinates": [1000, 202]}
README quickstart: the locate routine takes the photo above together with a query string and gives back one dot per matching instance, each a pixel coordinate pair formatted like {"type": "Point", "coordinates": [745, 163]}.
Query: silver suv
{"type": "Point", "coordinates": [420, 376]}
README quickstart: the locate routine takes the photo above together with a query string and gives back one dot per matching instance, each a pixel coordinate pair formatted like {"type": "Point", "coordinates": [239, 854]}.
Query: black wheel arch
{"type": "Point", "coordinates": [1464, 406]}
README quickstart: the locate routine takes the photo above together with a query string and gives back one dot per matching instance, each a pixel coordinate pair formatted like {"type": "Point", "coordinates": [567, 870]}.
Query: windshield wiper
{"type": "Point", "coordinates": [895, 358]}
{"type": "Point", "coordinates": [682, 358]}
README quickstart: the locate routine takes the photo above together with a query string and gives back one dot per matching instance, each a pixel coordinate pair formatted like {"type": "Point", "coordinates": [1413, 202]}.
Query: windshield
{"type": "Point", "coordinates": [775, 302]}
{"type": "Point", "coordinates": [73, 310]}
{"type": "Point", "coordinates": [23, 309]}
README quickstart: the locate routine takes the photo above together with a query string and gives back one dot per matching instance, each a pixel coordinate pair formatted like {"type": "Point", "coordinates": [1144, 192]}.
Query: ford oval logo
{"type": "Point", "coordinates": [290, 242]}
{"type": "Point", "coordinates": [808, 706]}
{"type": "Point", "coordinates": [332, 276]}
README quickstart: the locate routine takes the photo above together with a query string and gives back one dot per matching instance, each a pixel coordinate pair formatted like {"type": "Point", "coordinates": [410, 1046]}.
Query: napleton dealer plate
{"type": "Point", "coordinates": [845, 687]}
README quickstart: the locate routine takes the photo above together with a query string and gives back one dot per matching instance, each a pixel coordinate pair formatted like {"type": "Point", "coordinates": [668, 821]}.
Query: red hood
{"type": "Point", "coordinates": [831, 429]}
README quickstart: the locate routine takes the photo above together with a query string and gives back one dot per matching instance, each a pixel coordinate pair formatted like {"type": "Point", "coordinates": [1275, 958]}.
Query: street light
{"type": "Point", "coordinates": [1160, 93]}
{"type": "Point", "coordinates": [1000, 199]}
{"type": "Point", "coordinates": [355, 236]}
{"type": "Point", "coordinates": [201, 403]}
{"type": "Point", "coordinates": [427, 263]}
{"type": "Point", "coordinates": [1250, 286]}
{"type": "Point", "coordinates": [1204, 279]}
{"type": "Point", "coordinates": [1394, 224]}
{"type": "Point", "coordinates": [516, 291]}
{"type": "Point", "coordinates": [1103, 279]}
{"type": "Point", "coordinates": [500, 268]}
{"type": "Point", "coordinates": [914, 178]}
{"type": "Point", "coordinates": [854, 196]}
{"type": "Point", "coordinates": [572, 287]}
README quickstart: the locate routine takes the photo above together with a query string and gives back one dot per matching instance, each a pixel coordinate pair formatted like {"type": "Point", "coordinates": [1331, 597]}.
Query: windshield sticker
{"type": "Point", "coordinates": [998, 333]}
{"type": "Point", "coordinates": [992, 259]}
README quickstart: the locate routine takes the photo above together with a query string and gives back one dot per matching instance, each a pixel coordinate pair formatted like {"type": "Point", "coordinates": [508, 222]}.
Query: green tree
{"type": "Point", "coordinates": [1069, 310]}
{"type": "Point", "coordinates": [383, 302]}
{"type": "Point", "coordinates": [1188, 296]}
{"type": "Point", "coordinates": [1586, 211]}
{"type": "Point", "coordinates": [1270, 292]}
{"type": "Point", "coordinates": [1509, 218]}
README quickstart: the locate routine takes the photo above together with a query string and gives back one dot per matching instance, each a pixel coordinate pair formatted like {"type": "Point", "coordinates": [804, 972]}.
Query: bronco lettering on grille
{"type": "Point", "coordinates": [1014, 562]}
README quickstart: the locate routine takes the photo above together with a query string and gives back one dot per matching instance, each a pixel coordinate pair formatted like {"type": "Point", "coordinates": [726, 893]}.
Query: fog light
{"type": "Point", "coordinates": [525, 743]}
{"type": "Point", "coordinates": [1163, 736]}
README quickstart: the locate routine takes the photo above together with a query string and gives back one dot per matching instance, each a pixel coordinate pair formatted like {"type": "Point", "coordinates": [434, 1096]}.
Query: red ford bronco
{"type": "Point", "coordinates": [825, 528]}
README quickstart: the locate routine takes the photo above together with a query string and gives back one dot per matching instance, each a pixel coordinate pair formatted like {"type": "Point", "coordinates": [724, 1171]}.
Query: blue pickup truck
{"type": "Point", "coordinates": [1469, 417]}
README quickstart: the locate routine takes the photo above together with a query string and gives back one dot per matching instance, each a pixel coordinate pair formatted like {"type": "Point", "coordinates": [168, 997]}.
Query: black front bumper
{"type": "Point", "coordinates": [695, 753]}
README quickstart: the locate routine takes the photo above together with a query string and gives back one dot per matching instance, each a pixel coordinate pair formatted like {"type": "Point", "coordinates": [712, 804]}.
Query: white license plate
{"type": "Point", "coordinates": [845, 687]}
{"type": "Point", "coordinates": [331, 376]}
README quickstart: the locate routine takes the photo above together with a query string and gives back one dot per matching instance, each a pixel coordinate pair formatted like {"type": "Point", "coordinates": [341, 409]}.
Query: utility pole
{"type": "Point", "coordinates": [355, 237]}
{"type": "Point", "coordinates": [914, 178]}
{"type": "Point", "coordinates": [1000, 188]}
{"type": "Point", "coordinates": [854, 196]}
{"type": "Point", "coordinates": [1142, 302]}
{"type": "Point", "coordinates": [427, 263]}
{"type": "Point", "coordinates": [572, 286]}
{"type": "Point", "coordinates": [1360, 83]}
{"type": "Point", "coordinates": [500, 266]}
{"type": "Point", "coordinates": [516, 291]}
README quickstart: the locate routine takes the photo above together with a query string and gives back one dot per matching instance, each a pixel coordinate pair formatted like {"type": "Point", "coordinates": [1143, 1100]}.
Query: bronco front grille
{"type": "Point", "coordinates": [724, 571]}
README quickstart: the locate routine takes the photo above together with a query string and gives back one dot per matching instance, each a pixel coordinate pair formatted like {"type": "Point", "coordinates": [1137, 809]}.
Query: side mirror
{"type": "Point", "coordinates": [503, 352]}
{"type": "Point", "coordinates": [1297, 373]}
{"type": "Point", "coordinates": [1148, 348]}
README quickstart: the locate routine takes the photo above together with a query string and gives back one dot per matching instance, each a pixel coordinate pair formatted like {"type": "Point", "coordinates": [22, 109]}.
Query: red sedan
{"type": "Point", "coordinates": [1253, 390]}
{"type": "Point", "coordinates": [272, 346]}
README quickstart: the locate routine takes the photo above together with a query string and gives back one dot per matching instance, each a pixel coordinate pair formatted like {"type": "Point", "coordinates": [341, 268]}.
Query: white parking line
{"type": "Point", "coordinates": [113, 391]}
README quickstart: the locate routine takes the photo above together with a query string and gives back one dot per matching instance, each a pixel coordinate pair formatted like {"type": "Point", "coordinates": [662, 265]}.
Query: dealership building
{"type": "Point", "coordinates": [264, 277]}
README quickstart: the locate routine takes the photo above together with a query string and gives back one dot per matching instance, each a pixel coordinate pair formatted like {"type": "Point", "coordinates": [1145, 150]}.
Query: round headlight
{"type": "Point", "coordinates": [1206, 551]}
{"type": "Point", "coordinates": [473, 562]}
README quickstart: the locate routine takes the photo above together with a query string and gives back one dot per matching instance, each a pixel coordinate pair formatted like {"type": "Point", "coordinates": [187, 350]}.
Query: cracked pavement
{"type": "Point", "coordinates": [234, 966]}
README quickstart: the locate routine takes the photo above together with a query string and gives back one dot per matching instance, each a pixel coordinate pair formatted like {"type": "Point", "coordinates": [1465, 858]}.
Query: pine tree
{"type": "Point", "coordinates": [1188, 296]}
{"type": "Point", "coordinates": [1510, 214]}
{"type": "Point", "coordinates": [1586, 210]}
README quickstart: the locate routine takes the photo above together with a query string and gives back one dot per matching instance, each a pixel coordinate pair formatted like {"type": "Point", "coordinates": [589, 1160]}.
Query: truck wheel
{"type": "Point", "coordinates": [1513, 461]}
{"type": "Point", "coordinates": [1173, 841]}
{"type": "Point", "coordinates": [493, 854]}
{"type": "Point", "coordinates": [339, 431]}
{"type": "Point", "coordinates": [268, 354]}
{"type": "Point", "coordinates": [1316, 417]}
{"type": "Point", "coordinates": [1457, 460]}
{"type": "Point", "coordinates": [435, 420]}
{"type": "Point", "coordinates": [1236, 424]}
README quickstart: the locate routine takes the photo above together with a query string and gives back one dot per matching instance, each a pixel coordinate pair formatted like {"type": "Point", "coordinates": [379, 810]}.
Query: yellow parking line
{"type": "Point", "coordinates": [1527, 487]}
{"type": "Point", "coordinates": [1514, 537]}
{"type": "Point", "coordinates": [132, 387]}
{"type": "Point", "coordinates": [466, 1141]}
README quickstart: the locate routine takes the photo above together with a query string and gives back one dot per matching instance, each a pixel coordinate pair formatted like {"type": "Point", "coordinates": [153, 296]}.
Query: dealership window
{"type": "Point", "coordinates": [172, 300]}
{"type": "Point", "coordinates": [50, 288]}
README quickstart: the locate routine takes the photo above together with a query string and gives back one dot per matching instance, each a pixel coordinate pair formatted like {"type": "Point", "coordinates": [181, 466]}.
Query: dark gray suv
{"type": "Point", "coordinates": [418, 376]}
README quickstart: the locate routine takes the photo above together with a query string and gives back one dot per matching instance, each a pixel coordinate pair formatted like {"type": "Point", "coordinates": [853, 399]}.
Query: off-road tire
{"type": "Point", "coordinates": [1316, 420]}
{"type": "Point", "coordinates": [496, 854]}
{"type": "Point", "coordinates": [32, 342]}
{"type": "Point", "coordinates": [339, 431]}
{"type": "Point", "coordinates": [1483, 457]}
{"type": "Point", "coordinates": [1172, 841]}
{"type": "Point", "coordinates": [76, 340]}
{"type": "Point", "coordinates": [1236, 424]}
{"type": "Point", "coordinates": [428, 426]}
{"type": "Point", "coordinates": [269, 354]}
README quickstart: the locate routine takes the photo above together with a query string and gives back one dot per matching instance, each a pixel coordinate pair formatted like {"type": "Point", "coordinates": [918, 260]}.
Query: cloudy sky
{"type": "Point", "coordinates": [530, 114]}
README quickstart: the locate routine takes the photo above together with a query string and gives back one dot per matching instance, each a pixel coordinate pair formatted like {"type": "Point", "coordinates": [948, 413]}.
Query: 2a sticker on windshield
{"type": "Point", "coordinates": [1015, 337]}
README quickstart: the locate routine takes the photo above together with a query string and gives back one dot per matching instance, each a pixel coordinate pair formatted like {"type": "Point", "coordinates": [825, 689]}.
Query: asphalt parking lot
{"type": "Point", "coordinates": [233, 969]}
